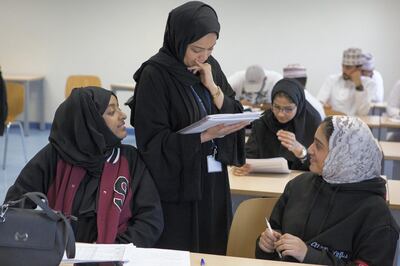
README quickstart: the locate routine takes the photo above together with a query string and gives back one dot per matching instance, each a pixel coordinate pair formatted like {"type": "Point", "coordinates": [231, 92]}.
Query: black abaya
{"type": "Point", "coordinates": [196, 204]}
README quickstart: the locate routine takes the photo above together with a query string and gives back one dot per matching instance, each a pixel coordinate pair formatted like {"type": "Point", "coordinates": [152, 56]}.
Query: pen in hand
{"type": "Point", "coordinates": [270, 230]}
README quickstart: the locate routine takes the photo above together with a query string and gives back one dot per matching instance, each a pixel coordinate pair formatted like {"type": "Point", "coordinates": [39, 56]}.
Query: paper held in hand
{"type": "Point", "coordinates": [218, 119]}
{"type": "Point", "coordinates": [271, 165]}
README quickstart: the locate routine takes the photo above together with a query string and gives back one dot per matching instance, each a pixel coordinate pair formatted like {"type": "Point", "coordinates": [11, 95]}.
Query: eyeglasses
{"type": "Point", "coordinates": [285, 109]}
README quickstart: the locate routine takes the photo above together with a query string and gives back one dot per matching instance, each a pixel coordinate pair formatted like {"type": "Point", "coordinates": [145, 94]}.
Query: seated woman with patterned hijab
{"type": "Point", "coordinates": [88, 175]}
{"type": "Point", "coordinates": [336, 215]}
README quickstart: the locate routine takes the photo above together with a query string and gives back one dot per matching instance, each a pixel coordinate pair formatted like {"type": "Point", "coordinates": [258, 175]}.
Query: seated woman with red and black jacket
{"type": "Point", "coordinates": [87, 174]}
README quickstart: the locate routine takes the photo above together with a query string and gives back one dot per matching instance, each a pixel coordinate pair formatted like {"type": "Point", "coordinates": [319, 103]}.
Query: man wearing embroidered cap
{"type": "Point", "coordinates": [368, 70]}
{"type": "Point", "coordinates": [348, 92]}
{"type": "Point", "coordinates": [299, 73]}
{"type": "Point", "coordinates": [253, 86]}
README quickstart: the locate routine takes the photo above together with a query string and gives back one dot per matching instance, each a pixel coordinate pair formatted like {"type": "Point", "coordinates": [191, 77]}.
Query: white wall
{"type": "Point", "coordinates": [112, 38]}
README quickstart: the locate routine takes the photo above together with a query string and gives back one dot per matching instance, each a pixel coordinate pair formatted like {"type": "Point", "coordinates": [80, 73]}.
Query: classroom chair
{"type": "Point", "coordinates": [15, 102]}
{"type": "Point", "coordinates": [248, 223]}
{"type": "Point", "coordinates": [78, 81]}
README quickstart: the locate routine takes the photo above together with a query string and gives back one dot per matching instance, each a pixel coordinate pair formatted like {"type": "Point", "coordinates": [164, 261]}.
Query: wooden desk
{"type": "Point", "coordinates": [121, 87]}
{"type": "Point", "coordinates": [378, 108]}
{"type": "Point", "coordinates": [260, 185]}
{"type": "Point", "coordinates": [219, 260]}
{"type": "Point", "coordinates": [391, 159]}
{"type": "Point", "coordinates": [215, 260]}
{"type": "Point", "coordinates": [373, 121]}
{"type": "Point", "coordinates": [394, 194]}
{"type": "Point", "coordinates": [391, 150]}
{"type": "Point", "coordinates": [388, 123]}
{"type": "Point", "coordinates": [26, 81]}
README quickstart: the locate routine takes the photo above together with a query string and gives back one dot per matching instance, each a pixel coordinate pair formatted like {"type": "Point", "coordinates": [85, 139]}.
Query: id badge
{"type": "Point", "coordinates": [213, 165]}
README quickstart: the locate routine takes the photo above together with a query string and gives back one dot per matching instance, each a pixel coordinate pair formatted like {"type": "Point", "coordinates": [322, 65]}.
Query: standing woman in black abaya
{"type": "Point", "coordinates": [176, 87]}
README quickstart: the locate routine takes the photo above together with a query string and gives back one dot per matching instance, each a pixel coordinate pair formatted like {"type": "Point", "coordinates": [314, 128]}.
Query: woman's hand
{"type": "Point", "coordinates": [205, 71]}
{"type": "Point", "coordinates": [288, 140]}
{"type": "Point", "coordinates": [243, 170]}
{"type": "Point", "coordinates": [206, 77]}
{"type": "Point", "coordinates": [290, 245]}
{"type": "Point", "coordinates": [220, 131]}
{"type": "Point", "coordinates": [268, 240]}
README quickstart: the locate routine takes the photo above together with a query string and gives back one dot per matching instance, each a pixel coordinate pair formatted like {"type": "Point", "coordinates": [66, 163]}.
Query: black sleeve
{"type": "Point", "coordinates": [378, 247]}
{"type": "Point", "coordinates": [146, 224]}
{"type": "Point", "coordinates": [35, 176]}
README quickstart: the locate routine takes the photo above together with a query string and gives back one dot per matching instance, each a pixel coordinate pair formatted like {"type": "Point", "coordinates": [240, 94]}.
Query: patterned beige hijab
{"type": "Point", "coordinates": [354, 154]}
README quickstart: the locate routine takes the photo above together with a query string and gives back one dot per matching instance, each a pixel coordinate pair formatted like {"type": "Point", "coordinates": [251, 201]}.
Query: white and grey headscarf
{"type": "Point", "coordinates": [354, 154]}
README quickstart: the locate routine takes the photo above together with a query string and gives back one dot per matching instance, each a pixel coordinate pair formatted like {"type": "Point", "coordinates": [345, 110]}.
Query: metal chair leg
{"type": "Point", "coordinates": [21, 129]}
{"type": "Point", "coordinates": [5, 145]}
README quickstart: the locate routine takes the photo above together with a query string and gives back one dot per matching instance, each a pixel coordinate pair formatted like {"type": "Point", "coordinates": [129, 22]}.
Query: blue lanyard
{"type": "Point", "coordinates": [213, 145]}
{"type": "Point", "coordinates": [201, 101]}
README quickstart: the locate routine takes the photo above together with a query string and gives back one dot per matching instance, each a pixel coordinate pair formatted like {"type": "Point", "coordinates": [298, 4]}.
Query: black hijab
{"type": "Point", "coordinates": [306, 119]}
{"type": "Point", "coordinates": [79, 132]}
{"type": "Point", "coordinates": [185, 25]}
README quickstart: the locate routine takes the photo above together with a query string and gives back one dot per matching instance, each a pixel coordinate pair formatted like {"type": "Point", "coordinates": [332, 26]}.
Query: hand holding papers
{"type": "Point", "coordinates": [219, 119]}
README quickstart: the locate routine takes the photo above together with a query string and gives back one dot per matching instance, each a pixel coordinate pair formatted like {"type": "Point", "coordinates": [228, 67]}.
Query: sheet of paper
{"type": "Point", "coordinates": [271, 165]}
{"type": "Point", "coordinates": [86, 252]}
{"type": "Point", "coordinates": [156, 257]}
{"type": "Point", "coordinates": [217, 119]}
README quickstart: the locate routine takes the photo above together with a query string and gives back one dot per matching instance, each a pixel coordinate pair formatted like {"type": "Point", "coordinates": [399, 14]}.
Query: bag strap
{"type": "Point", "coordinates": [69, 238]}
{"type": "Point", "coordinates": [37, 198]}
{"type": "Point", "coordinates": [41, 200]}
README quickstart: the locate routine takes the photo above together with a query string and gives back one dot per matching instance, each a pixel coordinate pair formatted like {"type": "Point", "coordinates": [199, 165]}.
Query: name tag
{"type": "Point", "coordinates": [213, 165]}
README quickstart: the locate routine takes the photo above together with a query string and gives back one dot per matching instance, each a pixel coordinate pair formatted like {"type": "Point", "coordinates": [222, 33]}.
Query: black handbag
{"type": "Point", "coordinates": [34, 237]}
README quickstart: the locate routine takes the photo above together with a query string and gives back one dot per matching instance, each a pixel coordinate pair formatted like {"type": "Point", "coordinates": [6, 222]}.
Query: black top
{"type": "Point", "coordinates": [263, 142]}
{"type": "Point", "coordinates": [340, 223]}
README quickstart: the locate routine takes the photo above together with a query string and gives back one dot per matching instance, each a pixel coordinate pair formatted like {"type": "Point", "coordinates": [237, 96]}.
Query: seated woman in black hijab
{"type": "Point", "coordinates": [285, 130]}
{"type": "Point", "coordinates": [90, 176]}
{"type": "Point", "coordinates": [176, 87]}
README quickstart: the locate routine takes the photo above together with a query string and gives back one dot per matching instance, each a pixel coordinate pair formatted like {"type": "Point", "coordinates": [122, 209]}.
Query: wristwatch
{"type": "Point", "coordinates": [303, 155]}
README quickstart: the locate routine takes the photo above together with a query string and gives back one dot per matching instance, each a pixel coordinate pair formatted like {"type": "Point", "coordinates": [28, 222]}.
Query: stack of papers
{"type": "Point", "coordinates": [272, 165]}
{"type": "Point", "coordinates": [218, 119]}
{"type": "Point", "coordinates": [128, 254]}
{"type": "Point", "coordinates": [86, 252]}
